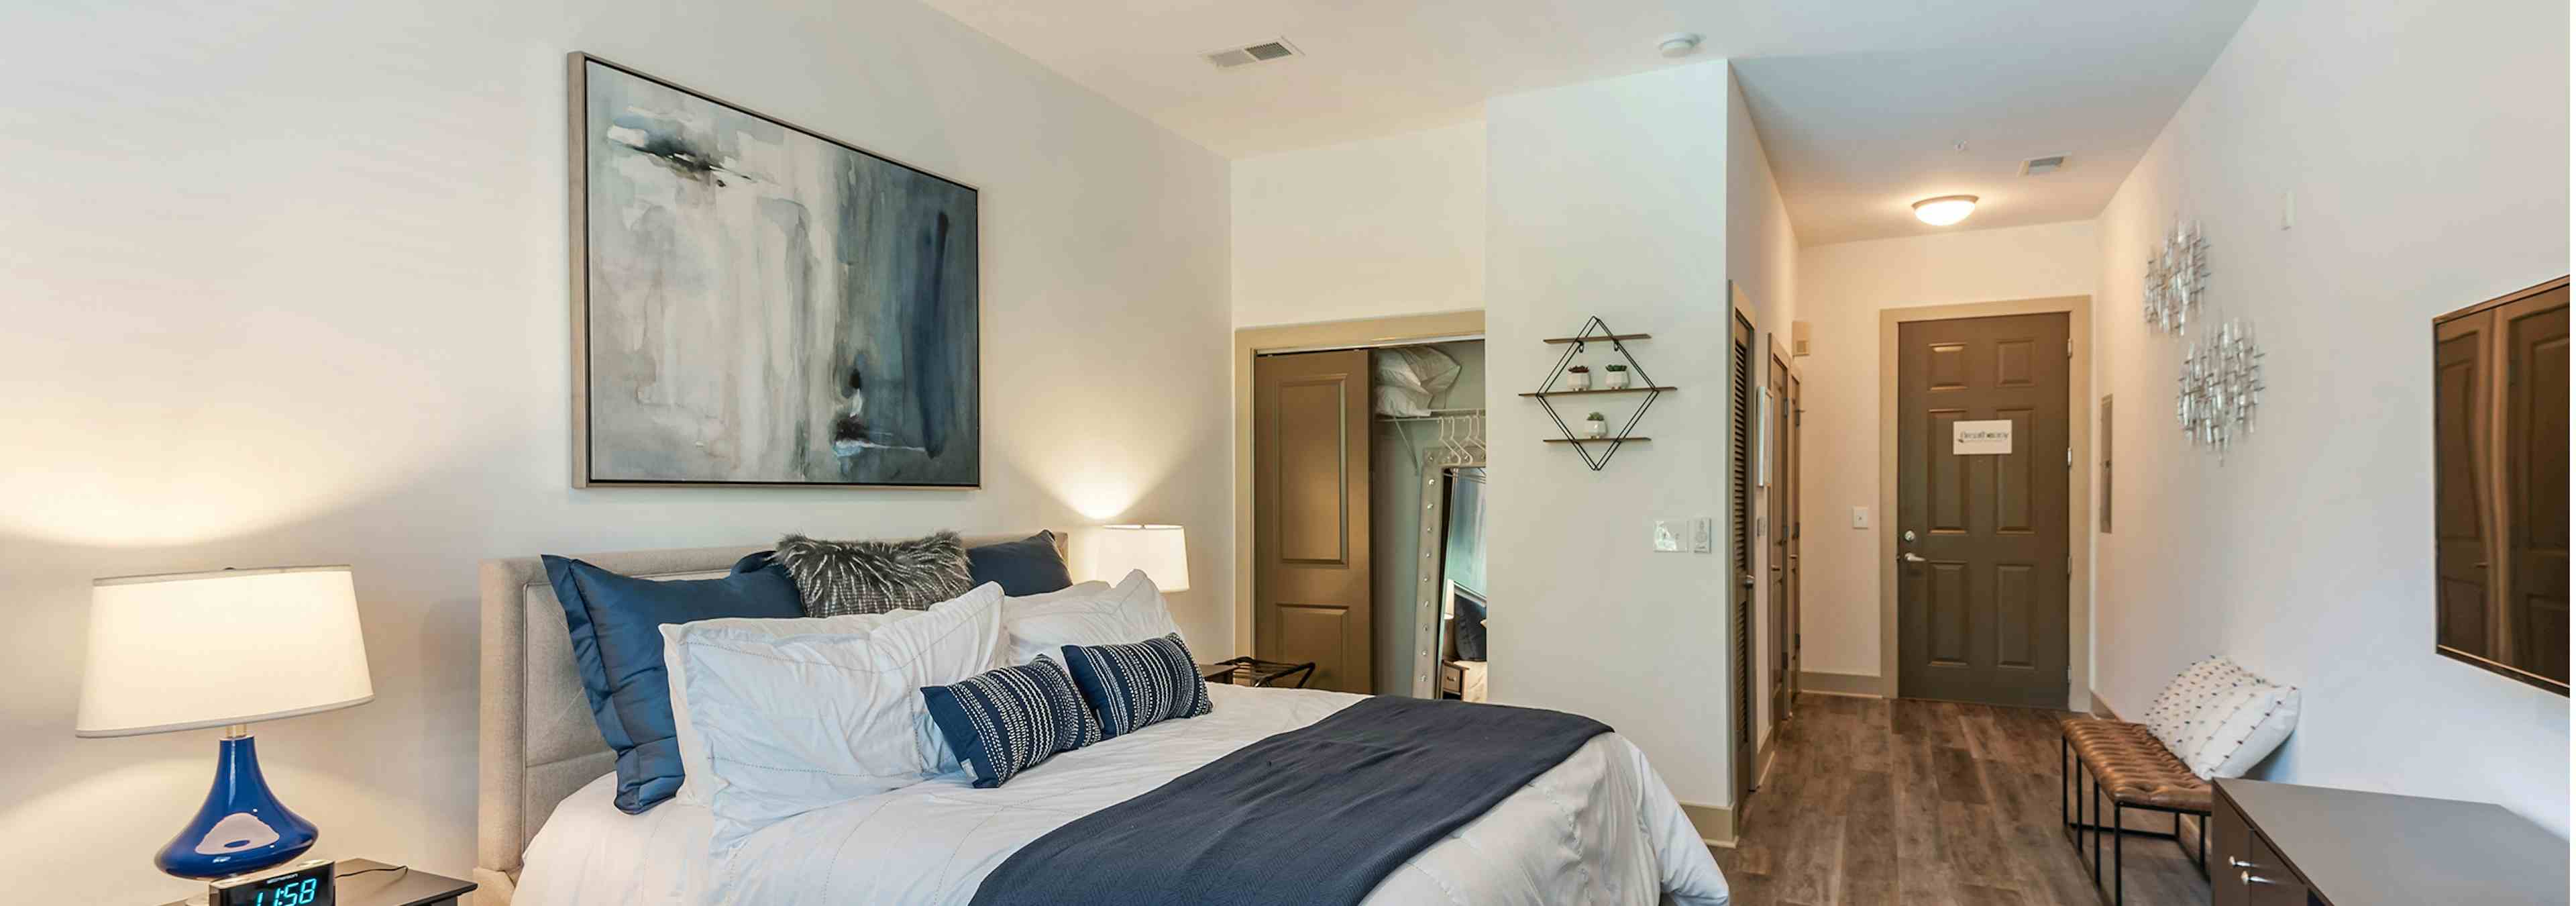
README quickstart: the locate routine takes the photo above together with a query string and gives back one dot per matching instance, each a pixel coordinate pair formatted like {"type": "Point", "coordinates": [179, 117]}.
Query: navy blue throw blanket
{"type": "Point", "coordinates": [1318, 815]}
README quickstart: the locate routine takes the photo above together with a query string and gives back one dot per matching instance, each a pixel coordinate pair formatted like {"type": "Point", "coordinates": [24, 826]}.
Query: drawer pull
{"type": "Point", "coordinates": [2250, 878]}
{"type": "Point", "coordinates": [2234, 862]}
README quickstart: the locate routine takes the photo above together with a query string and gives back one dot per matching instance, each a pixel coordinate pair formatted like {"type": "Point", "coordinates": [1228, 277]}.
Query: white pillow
{"type": "Point", "coordinates": [2249, 723]}
{"type": "Point", "coordinates": [2187, 699]}
{"type": "Point", "coordinates": [1132, 611]}
{"type": "Point", "coordinates": [792, 723]}
{"type": "Point", "coordinates": [2217, 701]}
{"type": "Point", "coordinates": [698, 782]}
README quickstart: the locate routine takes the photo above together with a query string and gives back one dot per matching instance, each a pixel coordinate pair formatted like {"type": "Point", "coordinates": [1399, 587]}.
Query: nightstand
{"type": "Point", "coordinates": [398, 887]}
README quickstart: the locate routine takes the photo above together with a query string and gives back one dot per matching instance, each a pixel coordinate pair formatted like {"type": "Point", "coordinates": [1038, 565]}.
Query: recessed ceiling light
{"type": "Point", "coordinates": [1678, 44]}
{"type": "Point", "coordinates": [1945, 210]}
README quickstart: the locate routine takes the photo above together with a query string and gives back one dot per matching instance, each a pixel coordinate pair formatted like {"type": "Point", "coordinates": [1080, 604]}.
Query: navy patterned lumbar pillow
{"type": "Point", "coordinates": [846, 577]}
{"type": "Point", "coordinates": [1139, 685]}
{"type": "Point", "coordinates": [1005, 721]}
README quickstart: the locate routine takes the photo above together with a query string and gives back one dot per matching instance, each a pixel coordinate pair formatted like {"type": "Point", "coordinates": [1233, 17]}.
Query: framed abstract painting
{"type": "Point", "coordinates": [759, 304]}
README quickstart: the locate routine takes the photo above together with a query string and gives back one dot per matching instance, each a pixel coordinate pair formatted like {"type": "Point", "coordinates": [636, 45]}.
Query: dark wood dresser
{"type": "Point", "coordinates": [2273, 844]}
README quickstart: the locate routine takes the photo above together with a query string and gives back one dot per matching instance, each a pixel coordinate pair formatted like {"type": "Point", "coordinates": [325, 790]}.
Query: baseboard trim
{"type": "Point", "coordinates": [1851, 684]}
{"type": "Point", "coordinates": [1716, 823]}
{"type": "Point", "coordinates": [2101, 708]}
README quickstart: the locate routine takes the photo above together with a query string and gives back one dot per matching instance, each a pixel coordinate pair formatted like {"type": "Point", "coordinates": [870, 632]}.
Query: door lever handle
{"type": "Point", "coordinates": [1910, 557]}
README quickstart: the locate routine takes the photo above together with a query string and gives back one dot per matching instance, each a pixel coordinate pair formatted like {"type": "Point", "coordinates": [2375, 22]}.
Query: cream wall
{"type": "Point", "coordinates": [287, 284]}
{"type": "Point", "coordinates": [1367, 229]}
{"type": "Point", "coordinates": [1761, 262]}
{"type": "Point", "coordinates": [1610, 198]}
{"type": "Point", "coordinates": [2425, 146]}
{"type": "Point", "coordinates": [1841, 290]}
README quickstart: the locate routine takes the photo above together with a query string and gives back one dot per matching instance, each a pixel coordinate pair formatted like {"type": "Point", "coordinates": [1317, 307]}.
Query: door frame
{"type": "Point", "coordinates": [2079, 482]}
{"type": "Point", "coordinates": [1251, 342]}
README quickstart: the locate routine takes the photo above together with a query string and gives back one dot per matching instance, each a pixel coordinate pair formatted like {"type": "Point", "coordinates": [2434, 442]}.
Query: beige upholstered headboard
{"type": "Point", "coordinates": [539, 742]}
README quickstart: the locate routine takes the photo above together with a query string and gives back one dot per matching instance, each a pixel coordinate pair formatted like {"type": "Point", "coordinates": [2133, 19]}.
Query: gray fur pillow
{"type": "Point", "coordinates": [845, 577]}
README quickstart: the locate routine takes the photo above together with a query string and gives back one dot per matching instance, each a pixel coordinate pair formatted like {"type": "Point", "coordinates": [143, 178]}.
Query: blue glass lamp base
{"type": "Point", "coordinates": [242, 827]}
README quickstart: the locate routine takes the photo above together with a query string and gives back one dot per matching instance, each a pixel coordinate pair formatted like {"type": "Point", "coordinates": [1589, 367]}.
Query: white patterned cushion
{"type": "Point", "coordinates": [2187, 698]}
{"type": "Point", "coordinates": [2243, 728]}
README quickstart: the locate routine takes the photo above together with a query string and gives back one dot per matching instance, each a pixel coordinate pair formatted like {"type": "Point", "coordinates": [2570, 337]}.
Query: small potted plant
{"type": "Point", "coordinates": [1616, 378]}
{"type": "Point", "coordinates": [1578, 378]}
{"type": "Point", "coordinates": [1595, 426]}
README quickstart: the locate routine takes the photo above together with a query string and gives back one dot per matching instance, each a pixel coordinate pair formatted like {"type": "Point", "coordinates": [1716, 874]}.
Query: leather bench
{"type": "Point", "coordinates": [2131, 769]}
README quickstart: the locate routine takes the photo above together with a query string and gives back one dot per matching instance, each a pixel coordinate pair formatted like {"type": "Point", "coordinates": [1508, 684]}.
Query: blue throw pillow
{"type": "Point", "coordinates": [1029, 566]}
{"type": "Point", "coordinates": [1001, 722]}
{"type": "Point", "coordinates": [1136, 686]}
{"type": "Point", "coordinates": [616, 624]}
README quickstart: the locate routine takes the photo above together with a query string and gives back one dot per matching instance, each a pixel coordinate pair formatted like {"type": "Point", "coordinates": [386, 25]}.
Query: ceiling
{"type": "Point", "coordinates": [1861, 103]}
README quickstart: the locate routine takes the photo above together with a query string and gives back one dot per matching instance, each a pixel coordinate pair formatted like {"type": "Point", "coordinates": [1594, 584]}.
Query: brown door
{"type": "Point", "coordinates": [2535, 446]}
{"type": "Point", "coordinates": [2465, 517]}
{"type": "Point", "coordinates": [1776, 500]}
{"type": "Point", "coordinates": [1797, 528]}
{"type": "Point", "coordinates": [1739, 546]}
{"type": "Point", "coordinates": [1310, 474]}
{"type": "Point", "coordinates": [1984, 567]}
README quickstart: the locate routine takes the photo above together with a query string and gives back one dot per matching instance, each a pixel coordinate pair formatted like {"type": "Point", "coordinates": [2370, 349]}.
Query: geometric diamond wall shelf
{"type": "Point", "coordinates": [1592, 332]}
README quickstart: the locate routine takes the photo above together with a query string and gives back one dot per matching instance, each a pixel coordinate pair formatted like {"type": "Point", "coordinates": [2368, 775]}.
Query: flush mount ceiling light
{"type": "Point", "coordinates": [1945, 210]}
{"type": "Point", "coordinates": [1678, 44]}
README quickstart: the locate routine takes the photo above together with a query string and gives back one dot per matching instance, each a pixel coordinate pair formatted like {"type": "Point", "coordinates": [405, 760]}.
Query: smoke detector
{"type": "Point", "coordinates": [1677, 44]}
{"type": "Point", "coordinates": [1263, 52]}
{"type": "Point", "coordinates": [2041, 166]}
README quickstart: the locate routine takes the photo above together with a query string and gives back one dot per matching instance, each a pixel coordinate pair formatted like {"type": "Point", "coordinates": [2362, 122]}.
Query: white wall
{"type": "Point", "coordinates": [1367, 229]}
{"type": "Point", "coordinates": [1841, 290]}
{"type": "Point", "coordinates": [2426, 147]}
{"type": "Point", "coordinates": [287, 285]}
{"type": "Point", "coordinates": [1762, 262]}
{"type": "Point", "coordinates": [1609, 198]}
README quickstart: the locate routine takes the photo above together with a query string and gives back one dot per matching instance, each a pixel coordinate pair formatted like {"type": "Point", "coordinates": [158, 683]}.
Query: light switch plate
{"type": "Point", "coordinates": [1860, 517]}
{"type": "Point", "coordinates": [1703, 535]}
{"type": "Point", "coordinates": [1668, 537]}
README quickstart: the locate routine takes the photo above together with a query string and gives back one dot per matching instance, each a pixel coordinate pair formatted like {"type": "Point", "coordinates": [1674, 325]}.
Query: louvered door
{"type": "Point", "coordinates": [1739, 546]}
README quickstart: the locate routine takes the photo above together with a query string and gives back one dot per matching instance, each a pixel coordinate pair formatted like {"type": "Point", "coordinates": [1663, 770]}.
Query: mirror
{"type": "Point", "coordinates": [2500, 485]}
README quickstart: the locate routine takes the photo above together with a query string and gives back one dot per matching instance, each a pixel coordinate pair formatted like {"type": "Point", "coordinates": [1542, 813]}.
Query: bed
{"type": "Point", "coordinates": [1598, 827]}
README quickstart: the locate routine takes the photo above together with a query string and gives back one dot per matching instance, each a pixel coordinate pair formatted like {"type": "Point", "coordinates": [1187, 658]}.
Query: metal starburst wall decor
{"type": "Point", "coordinates": [2177, 277]}
{"type": "Point", "coordinates": [2221, 384]}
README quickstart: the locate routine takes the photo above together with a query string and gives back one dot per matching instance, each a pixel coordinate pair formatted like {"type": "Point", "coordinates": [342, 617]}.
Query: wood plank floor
{"type": "Point", "coordinates": [1873, 801]}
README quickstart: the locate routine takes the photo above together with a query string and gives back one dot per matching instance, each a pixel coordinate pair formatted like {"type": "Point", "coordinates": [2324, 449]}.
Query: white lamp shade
{"type": "Point", "coordinates": [192, 650]}
{"type": "Point", "coordinates": [1108, 552]}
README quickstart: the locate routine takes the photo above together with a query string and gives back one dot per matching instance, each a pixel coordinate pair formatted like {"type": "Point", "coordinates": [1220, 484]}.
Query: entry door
{"type": "Point", "coordinates": [1310, 474]}
{"type": "Point", "coordinates": [1776, 498]}
{"type": "Point", "coordinates": [1983, 562]}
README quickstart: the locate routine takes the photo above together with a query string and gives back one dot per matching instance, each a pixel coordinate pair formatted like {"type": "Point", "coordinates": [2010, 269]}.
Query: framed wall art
{"type": "Point", "coordinates": [755, 303]}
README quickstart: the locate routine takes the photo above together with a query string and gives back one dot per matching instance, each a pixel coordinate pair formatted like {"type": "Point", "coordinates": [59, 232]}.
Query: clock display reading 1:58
{"type": "Point", "coordinates": [308, 886]}
{"type": "Point", "coordinates": [306, 892]}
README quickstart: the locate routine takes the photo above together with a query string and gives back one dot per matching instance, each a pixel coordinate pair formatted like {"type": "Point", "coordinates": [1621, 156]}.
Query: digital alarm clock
{"type": "Point", "coordinates": [306, 884]}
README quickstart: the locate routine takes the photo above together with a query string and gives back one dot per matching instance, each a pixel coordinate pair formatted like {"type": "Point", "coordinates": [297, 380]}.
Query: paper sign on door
{"type": "Point", "coordinates": [1984, 438]}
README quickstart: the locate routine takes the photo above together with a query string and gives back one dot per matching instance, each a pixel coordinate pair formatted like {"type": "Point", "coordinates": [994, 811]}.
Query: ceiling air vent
{"type": "Point", "coordinates": [2040, 166]}
{"type": "Point", "coordinates": [1263, 52]}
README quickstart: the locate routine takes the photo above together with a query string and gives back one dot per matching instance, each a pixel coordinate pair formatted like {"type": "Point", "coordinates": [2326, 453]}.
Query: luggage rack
{"type": "Point", "coordinates": [1245, 671]}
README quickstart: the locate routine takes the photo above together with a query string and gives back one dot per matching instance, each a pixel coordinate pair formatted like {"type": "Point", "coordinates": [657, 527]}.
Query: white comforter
{"type": "Point", "coordinates": [1598, 828]}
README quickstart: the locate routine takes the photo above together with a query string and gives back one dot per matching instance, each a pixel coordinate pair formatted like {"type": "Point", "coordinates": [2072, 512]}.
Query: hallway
{"type": "Point", "coordinates": [1920, 802]}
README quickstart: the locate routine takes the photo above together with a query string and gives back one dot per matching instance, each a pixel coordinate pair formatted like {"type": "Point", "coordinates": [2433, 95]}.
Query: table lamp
{"type": "Point", "coordinates": [188, 651]}
{"type": "Point", "coordinates": [1162, 551]}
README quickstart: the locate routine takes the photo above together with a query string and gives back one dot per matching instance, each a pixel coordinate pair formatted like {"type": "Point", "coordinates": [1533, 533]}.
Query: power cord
{"type": "Point", "coordinates": [366, 870]}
